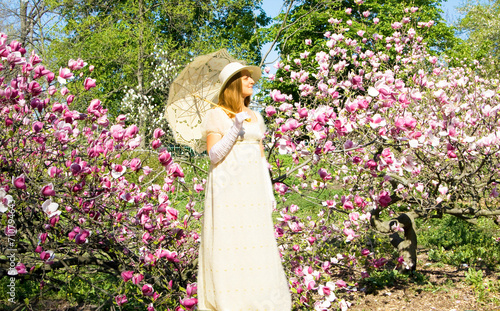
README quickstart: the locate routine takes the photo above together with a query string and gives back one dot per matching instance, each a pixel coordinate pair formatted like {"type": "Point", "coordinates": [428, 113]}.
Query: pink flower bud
{"type": "Point", "coordinates": [135, 164]}
{"type": "Point", "coordinates": [165, 158]}
{"type": "Point", "coordinates": [70, 99]}
{"type": "Point", "coordinates": [8, 122]}
{"type": "Point", "coordinates": [270, 110]}
{"type": "Point", "coordinates": [127, 275]}
{"type": "Point", "coordinates": [324, 174]}
{"type": "Point", "coordinates": [19, 182]}
{"type": "Point", "coordinates": [147, 290]}
{"type": "Point", "coordinates": [131, 131]}
{"type": "Point", "coordinates": [156, 144]}
{"type": "Point", "coordinates": [50, 77]}
{"type": "Point", "coordinates": [158, 133]}
{"type": "Point", "coordinates": [175, 170]}
{"type": "Point", "coordinates": [121, 299]}
{"type": "Point", "coordinates": [189, 303]}
{"type": "Point", "coordinates": [37, 126]}
{"type": "Point", "coordinates": [384, 198]}
{"type": "Point", "coordinates": [52, 90]}
{"type": "Point", "coordinates": [48, 190]}
{"type": "Point", "coordinates": [340, 283]}
{"type": "Point", "coordinates": [89, 83]}
{"type": "Point", "coordinates": [191, 289]}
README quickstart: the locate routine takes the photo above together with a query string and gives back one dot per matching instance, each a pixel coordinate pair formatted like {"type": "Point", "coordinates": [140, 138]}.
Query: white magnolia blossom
{"type": "Point", "coordinates": [50, 208]}
{"type": "Point", "coordinates": [5, 201]}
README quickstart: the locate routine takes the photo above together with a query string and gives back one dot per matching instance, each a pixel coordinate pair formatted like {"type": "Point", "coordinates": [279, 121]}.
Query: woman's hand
{"type": "Point", "coordinates": [239, 118]}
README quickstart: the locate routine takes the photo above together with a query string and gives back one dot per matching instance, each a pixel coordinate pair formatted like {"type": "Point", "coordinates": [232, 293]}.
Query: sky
{"type": "Point", "coordinates": [273, 7]}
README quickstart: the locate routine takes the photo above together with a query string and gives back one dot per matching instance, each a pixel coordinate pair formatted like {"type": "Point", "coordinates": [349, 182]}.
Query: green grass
{"type": "Point", "coordinates": [388, 278]}
{"type": "Point", "coordinates": [456, 242]}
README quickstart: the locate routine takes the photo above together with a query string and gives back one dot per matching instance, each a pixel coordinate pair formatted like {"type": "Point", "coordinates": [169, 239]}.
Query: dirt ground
{"type": "Point", "coordinates": [446, 290]}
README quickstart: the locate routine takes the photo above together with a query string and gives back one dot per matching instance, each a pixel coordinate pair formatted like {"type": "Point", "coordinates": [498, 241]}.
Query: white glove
{"type": "Point", "coordinates": [220, 150]}
{"type": "Point", "coordinates": [269, 183]}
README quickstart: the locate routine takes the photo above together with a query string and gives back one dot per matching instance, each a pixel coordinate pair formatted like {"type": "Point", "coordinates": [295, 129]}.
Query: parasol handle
{"type": "Point", "coordinates": [214, 104]}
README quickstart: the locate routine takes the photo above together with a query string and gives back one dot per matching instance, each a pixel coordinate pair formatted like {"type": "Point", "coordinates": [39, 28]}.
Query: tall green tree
{"type": "Point", "coordinates": [136, 46]}
{"type": "Point", "coordinates": [481, 25]}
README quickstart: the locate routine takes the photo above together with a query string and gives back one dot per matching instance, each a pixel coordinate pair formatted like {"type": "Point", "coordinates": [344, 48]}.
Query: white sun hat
{"type": "Point", "coordinates": [230, 70]}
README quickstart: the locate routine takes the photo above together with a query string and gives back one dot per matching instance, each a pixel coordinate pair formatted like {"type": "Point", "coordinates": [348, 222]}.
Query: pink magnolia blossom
{"type": "Point", "coordinates": [76, 64]}
{"type": "Point", "coordinates": [351, 235]}
{"type": "Point", "coordinates": [118, 170]}
{"type": "Point", "coordinates": [135, 164]}
{"type": "Point", "coordinates": [21, 268]}
{"type": "Point", "coordinates": [147, 290]}
{"type": "Point", "coordinates": [377, 121]}
{"type": "Point", "coordinates": [48, 190]}
{"type": "Point", "coordinates": [171, 256]}
{"type": "Point", "coordinates": [137, 278]}
{"type": "Point", "coordinates": [270, 111]}
{"type": "Point", "coordinates": [277, 96]}
{"type": "Point", "coordinates": [191, 289]}
{"type": "Point", "coordinates": [82, 237]}
{"type": "Point", "coordinates": [175, 170]}
{"type": "Point", "coordinates": [158, 133]}
{"type": "Point", "coordinates": [117, 132]}
{"type": "Point", "coordinates": [341, 283]}
{"type": "Point", "coordinates": [6, 201]}
{"type": "Point", "coordinates": [198, 188]}
{"type": "Point", "coordinates": [64, 74]}
{"type": "Point", "coordinates": [443, 189]}
{"type": "Point", "coordinates": [47, 255]}
{"type": "Point", "coordinates": [384, 198]}
{"type": "Point", "coordinates": [165, 158]}
{"type": "Point", "coordinates": [121, 299]}
{"type": "Point", "coordinates": [304, 54]}
{"type": "Point", "coordinates": [89, 83]}
{"type": "Point", "coordinates": [324, 174]}
{"type": "Point", "coordinates": [156, 144]}
{"type": "Point", "coordinates": [131, 131]}
{"type": "Point", "coordinates": [396, 25]}
{"type": "Point", "coordinates": [127, 275]}
{"type": "Point", "coordinates": [189, 303]}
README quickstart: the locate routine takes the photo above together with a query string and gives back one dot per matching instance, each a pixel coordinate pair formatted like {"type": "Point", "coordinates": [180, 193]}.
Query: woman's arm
{"type": "Point", "coordinates": [212, 139]}
{"type": "Point", "coordinates": [219, 147]}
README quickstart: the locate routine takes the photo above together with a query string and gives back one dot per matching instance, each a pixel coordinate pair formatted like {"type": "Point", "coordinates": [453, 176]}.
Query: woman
{"type": "Point", "coordinates": [239, 265]}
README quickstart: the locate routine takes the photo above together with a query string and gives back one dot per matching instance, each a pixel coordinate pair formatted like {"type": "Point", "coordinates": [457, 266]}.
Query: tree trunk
{"type": "Point", "coordinates": [140, 71]}
{"type": "Point", "coordinates": [23, 16]}
{"type": "Point", "coordinates": [406, 246]}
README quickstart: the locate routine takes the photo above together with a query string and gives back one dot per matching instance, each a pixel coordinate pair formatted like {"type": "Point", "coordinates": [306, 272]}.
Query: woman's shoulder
{"type": "Point", "coordinates": [215, 112]}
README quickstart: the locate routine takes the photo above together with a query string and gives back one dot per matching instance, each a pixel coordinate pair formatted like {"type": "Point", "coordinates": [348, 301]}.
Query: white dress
{"type": "Point", "coordinates": [239, 266]}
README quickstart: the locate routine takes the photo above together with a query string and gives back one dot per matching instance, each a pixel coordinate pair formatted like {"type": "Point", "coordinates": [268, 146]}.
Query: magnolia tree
{"type": "Point", "coordinates": [402, 135]}
{"type": "Point", "coordinates": [76, 199]}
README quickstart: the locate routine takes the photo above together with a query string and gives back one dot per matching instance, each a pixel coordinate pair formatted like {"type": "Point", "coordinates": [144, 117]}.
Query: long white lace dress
{"type": "Point", "coordinates": [239, 264]}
